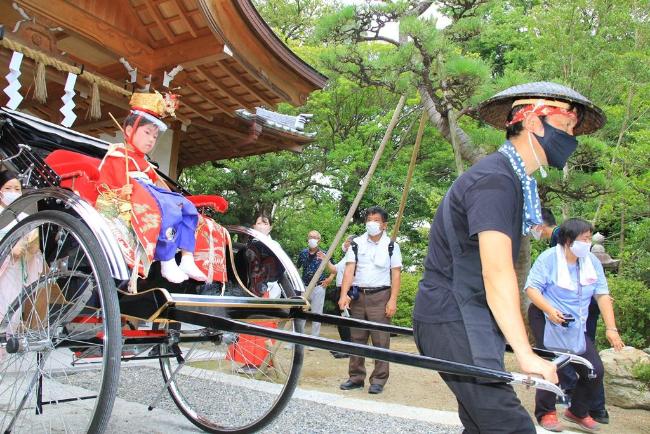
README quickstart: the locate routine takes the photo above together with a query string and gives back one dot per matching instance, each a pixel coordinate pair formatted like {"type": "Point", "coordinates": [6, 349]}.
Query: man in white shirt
{"type": "Point", "coordinates": [374, 267]}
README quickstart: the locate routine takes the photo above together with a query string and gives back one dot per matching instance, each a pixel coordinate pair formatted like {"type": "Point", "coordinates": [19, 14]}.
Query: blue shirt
{"type": "Point", "coordinates": [309, 264]}
{"type": "Point", "coordinates": [543, 276]}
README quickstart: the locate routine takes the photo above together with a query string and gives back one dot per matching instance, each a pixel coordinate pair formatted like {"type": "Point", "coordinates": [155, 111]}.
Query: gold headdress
{"type": "Point", "coordinates": [154, 106]}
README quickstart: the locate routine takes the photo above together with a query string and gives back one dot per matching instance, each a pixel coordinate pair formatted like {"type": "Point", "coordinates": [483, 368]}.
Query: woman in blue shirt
{"type": "Point", "coordinates": [561, 283]}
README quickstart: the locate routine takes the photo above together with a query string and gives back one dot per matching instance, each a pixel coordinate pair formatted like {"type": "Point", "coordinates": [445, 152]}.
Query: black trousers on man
{"type": "Point", "coordinates": [333, 296]}
{"type": "Point", "coordinates": [482, 407]}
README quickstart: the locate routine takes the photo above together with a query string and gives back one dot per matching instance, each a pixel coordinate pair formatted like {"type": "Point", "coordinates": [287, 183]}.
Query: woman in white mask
{"type": "Point", "coordinates": [10, 190]}
{"type": "Point", "coordinates": [561, 283]}
{"type": "Point", "coordinates": [25, 262]}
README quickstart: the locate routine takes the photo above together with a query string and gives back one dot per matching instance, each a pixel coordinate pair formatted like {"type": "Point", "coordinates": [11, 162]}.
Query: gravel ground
{"type": "Point", "coordinates": [300, 416]}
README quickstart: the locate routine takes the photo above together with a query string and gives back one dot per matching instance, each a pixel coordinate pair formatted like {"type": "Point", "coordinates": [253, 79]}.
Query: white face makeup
{"type": "Point", "coordinates": [144, 138]}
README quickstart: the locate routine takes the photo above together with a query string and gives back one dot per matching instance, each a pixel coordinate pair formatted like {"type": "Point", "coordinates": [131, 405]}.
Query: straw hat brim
{"type": "Point", "coordinates": [495, 110]}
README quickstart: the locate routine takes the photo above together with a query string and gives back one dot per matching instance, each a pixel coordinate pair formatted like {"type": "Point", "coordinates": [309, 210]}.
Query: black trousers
{"type": "Point", "coordinates": [482, 407]}
{"type": "Point", "coordinates": [333, 296]}
{"type": "Point", "coordinates": [585, 390]}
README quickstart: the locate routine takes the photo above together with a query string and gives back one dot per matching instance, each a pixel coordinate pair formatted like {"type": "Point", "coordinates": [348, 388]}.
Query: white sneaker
{"type": "Point", "coordinates": [188, 266]}
{"type": "Point", "coordinates": [170, 271]}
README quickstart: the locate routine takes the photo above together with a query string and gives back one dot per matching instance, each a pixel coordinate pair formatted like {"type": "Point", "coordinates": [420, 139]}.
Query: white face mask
{"type": "Point", "coordinates": [536, 234]}
{"type": "Point", "coordinates": [313, 243]}
{"type": "Point", "coordinates": [373, 228]}
{"type": "Point", "coordinates": [263, 228]}
{"type": "Point", "coordinates": [10, 196]}
{"type": "Point", "coordinates": [580, 248]}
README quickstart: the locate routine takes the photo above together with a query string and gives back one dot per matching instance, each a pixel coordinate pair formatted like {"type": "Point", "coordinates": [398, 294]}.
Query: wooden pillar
{"type": "Point", "coordinates": [177, 134]}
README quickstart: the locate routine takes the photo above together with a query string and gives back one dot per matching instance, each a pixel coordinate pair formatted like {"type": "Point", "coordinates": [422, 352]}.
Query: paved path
{"type": "Point", "coordinates": [309, 412]}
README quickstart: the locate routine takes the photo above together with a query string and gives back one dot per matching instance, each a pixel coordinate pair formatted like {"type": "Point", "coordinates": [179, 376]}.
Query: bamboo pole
{"type": "Point", "coordinates": [126, 149]}
{"type": "Point", "coordinates": [409, 175]}
{"type": "Point", "coordinates": [364, 185]}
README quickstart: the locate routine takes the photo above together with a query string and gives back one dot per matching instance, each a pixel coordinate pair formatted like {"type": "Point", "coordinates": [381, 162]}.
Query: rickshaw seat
{"type": "Point", "coordinates": [79, 173]}
{"type": "Point", "coordinates": [217, 203]}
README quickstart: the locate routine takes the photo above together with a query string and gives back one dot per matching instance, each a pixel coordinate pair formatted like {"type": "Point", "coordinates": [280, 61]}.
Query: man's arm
{"type": "Point", "coordinates": [326, 281]}
{"type": "Point", "coordinates": [395, 281]}
{"type": "Point", "coordinates": [502, 295]}
{"type": "Point", "coordinates": [330, 267]}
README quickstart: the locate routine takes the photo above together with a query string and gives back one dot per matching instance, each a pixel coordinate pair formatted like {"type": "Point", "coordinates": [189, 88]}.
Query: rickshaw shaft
{"type": "Point", "coordinates": [225, 324]}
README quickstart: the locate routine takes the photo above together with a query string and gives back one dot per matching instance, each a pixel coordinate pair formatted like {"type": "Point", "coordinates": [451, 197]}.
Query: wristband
{"type": "Point", "coordinates": [611, 329]}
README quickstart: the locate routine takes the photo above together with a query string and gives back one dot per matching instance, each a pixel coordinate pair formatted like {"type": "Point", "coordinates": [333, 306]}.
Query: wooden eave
{"type": "Point", "coordinates": [265, 56]}
{"type": "Point", "coordinates": [231, 59]}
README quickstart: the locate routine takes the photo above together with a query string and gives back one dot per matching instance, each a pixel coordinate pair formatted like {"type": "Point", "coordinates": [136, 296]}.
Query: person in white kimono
{"type": "Point", "coordinates": [25, 262]}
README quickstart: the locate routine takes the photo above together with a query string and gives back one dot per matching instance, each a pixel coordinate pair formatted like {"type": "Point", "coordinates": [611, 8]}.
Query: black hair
{"type": "Point", "coordinates": [572, 229]}
{"type": "Point", "coordinates": [132, 117]}
{"type": "Point", "coordinates": [376, 210]}
{"type": "Point", "coordinates": [515, 129]}
{"type": "Point", "coordinates": [6, 176]}
{"type": "Point", "coordinates": [264, 215]}
{"type": "Point", "coordinates": [548, 218]}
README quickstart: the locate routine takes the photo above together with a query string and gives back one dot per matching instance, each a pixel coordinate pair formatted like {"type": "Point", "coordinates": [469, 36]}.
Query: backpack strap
{"type": "Point", "coordinates": [355, 250]}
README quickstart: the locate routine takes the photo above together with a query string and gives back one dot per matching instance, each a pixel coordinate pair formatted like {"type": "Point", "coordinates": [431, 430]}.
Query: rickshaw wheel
{"type": "Point", "coordinates": [60, 340]}
{"type": "Point", "coordinates": [229, 382]}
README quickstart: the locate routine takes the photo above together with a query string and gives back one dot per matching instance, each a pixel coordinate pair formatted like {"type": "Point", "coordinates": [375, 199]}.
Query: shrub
{"type": "Point", "coordinates": [632, 311]}
{"type": "Point", "coordinates": [406, 300]}
{"type": "Point", "coordinates": [641, 372]}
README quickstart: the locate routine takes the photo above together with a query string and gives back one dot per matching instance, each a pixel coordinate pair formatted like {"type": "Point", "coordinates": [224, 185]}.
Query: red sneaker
{"type": "Point", "coordinates": [587, 423]}
{"type": "Point", "coordinates": [550, 422]}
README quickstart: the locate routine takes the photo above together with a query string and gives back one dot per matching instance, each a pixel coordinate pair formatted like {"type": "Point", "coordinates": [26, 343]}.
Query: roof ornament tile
{"type": "Point", "coordinates": [293, 122]}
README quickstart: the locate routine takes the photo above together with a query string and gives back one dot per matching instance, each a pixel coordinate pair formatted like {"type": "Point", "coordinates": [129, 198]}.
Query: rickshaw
{"type": "Point", "coordinates": [229, 355]}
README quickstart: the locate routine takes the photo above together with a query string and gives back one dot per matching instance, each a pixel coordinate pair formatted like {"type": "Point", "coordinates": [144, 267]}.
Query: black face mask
{"type": "Point", "coordinates": [557, 144]}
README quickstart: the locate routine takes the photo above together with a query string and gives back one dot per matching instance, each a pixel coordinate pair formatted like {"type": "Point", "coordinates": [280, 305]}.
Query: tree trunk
{"type": "Point", "coordinates": [469, 152]}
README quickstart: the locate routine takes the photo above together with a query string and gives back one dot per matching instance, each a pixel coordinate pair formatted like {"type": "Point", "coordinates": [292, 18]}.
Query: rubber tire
{"type": "Point", "coordinates": [279, 405]}
{"type": "Point", "coordinates": [113, 340]}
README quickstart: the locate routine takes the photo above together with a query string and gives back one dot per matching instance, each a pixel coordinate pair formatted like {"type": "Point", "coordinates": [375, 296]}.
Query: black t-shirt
{"type": "Point", "coordinates": [485, 198]}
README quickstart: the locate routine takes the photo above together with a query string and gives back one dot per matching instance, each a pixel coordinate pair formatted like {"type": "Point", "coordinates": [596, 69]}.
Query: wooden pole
{"type": "Point", "coordinates": [409, 175]}
{"type": "Point", "coordinates": [364, 185]}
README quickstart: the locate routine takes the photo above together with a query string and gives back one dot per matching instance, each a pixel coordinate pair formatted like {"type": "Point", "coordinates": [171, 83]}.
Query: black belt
{"type": "Point", "coordinates": [373, 289]}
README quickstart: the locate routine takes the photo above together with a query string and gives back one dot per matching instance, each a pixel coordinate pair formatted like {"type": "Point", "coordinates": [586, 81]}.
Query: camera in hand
{"type": "Point", "coordinates": [568, 318]}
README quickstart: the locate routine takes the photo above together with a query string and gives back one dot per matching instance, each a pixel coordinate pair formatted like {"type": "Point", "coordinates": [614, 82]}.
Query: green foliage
{"type": "Point", "coordinates": [294, 20]}
{"type": "Point", "coordinates": [406, 300]}
{"type": "Point", "coordinates": [632, 312]}
{"type": "Point", "coordinates": [641, 371]}
{"type": "Point", "coordinates": [635, 257]}
{"type": "Point", "coordinates": [599, 47]}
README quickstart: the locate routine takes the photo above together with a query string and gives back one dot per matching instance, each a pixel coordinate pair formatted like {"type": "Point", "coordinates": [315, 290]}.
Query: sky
{"type": "Point", "coordinates": [392, 29]}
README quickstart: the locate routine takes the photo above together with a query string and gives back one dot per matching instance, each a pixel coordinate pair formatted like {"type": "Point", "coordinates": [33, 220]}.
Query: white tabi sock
{"type": "Point", "coordinates": [171, 271]}
{"type": "Point", "coordinates": [188, 266]}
